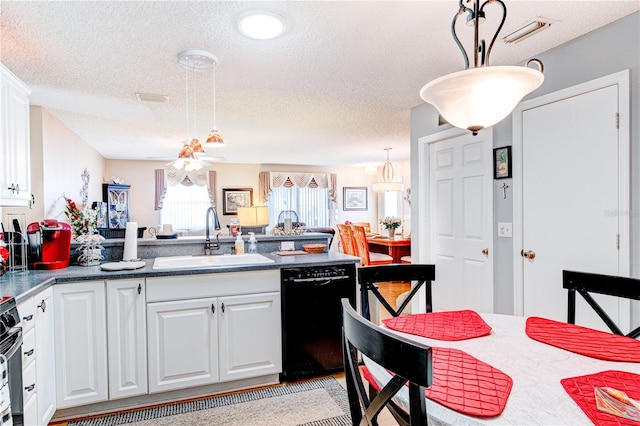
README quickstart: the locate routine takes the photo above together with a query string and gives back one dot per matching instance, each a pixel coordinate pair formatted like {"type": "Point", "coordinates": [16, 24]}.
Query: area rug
{"type": "Point", "coordinates": [318, 402]}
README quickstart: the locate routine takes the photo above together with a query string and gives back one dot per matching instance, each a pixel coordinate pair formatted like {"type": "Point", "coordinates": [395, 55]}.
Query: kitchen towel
{"type": "Point", "coordinates": [447, 325]}
{"type": "Point", "coordinates": [584, 341]}
{"type": "Point", "coordinates": [130, 241]}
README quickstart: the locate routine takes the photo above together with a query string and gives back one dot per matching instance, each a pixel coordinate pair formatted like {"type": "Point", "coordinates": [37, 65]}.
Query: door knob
{"type": "Point", "coordinates": [485, 251]}
{"type": "Point", "coordinates": [530, 254]}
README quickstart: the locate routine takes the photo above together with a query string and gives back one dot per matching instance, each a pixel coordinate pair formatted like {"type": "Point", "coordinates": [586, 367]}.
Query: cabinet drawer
{"type": "Point", "coordinates": [28, 348]}
{"type": "Point", "coordinates": [26, 310]}
{"type": "Point", "coordinates": [29, 383]}
{"type": "Point", "coordinates": [181, 287]}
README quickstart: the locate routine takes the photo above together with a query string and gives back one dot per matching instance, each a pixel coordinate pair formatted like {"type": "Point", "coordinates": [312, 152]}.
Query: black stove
{"type": "Point", "coordinates": [11, 365]}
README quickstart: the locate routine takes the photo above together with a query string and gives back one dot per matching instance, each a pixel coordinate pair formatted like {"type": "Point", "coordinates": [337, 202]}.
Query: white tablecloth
{"type": "Point", "coordinates": [537, 397]}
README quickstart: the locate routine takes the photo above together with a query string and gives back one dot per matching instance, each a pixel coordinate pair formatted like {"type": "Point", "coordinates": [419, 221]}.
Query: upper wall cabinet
{"type": "Point", "coordinates": [15, 173]}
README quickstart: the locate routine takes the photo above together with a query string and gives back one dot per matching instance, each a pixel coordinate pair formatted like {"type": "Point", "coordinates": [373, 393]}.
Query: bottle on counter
{"type": "Point", "coordinates": [253, 243]}
{"type": "Point", "coordinates": [239, 244]}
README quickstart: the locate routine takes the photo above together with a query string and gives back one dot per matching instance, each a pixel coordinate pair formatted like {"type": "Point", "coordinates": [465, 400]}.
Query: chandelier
{"type": "Point", "coordinates": [388, 183]}
{"type": "Point", "coordinates": [481, 96]}
{"type": "Point", "coordinates": [193, 61]}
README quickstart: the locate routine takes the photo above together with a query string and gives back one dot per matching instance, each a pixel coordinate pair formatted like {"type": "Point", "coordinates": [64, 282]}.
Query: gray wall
{"type": "Point", "coordinates": [607, 50]}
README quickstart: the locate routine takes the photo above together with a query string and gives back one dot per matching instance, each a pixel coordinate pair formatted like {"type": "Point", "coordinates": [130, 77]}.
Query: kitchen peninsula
{"type": "Point", "coordinates": [136, 337]}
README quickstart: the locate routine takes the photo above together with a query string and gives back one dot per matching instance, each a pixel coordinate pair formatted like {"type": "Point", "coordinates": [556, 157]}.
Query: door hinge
{"type": "Point", "coordinates": [617, 241]}
{"type": "Point", "coordinates": [617, 120]}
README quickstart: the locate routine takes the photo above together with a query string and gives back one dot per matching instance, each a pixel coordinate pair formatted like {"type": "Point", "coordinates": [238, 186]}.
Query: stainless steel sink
{"type": "Point", "coordinates": [181, 262]}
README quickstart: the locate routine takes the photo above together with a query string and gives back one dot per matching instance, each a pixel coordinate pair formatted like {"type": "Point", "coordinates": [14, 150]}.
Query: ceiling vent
{"type": "Point", "coordinates": [534, 26]}
{"type": "Point", "coordinates": [152, 97]}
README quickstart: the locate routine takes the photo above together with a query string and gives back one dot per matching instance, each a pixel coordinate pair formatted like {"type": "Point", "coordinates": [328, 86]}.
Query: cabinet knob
{"type": "Point", "coordinates": [30, 387]}
{"type": "Point", "coordinates": [213, 308]}
{"type": "Point", "coordinates": [222, 307]}
{"type": "Point", "coordinates": [42, 305]}
{"type": "Point", "coordinates": [139, 288]}
{"type": "Point", "coordinates": [29, 352]}
{"type": "Point", "coordinates": [28, 318]}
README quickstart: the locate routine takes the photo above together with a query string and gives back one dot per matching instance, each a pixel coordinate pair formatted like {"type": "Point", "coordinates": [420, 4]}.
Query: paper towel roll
{"type": "Point", "coordinates": [130, 241]}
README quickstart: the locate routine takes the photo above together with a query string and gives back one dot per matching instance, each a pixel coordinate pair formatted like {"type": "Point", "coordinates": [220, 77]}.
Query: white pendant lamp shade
{"type": "Point", "coordinates": [480, 97]}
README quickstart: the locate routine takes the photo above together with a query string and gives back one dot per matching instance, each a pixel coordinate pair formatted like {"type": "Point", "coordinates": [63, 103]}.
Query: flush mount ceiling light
{"type": "Point", "coordinates": [481, 96]}
{"type": "Point", "coordinates": [261, 25]}
{"type": "Point", "coordinates": [388, 183]}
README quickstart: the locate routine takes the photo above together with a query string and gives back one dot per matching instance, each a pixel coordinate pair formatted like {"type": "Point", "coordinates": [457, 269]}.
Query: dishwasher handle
{"type": "Point", "coordinates": [317, 281]}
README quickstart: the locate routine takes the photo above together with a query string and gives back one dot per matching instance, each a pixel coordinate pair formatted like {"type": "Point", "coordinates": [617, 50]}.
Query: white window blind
{"type": "Point", "coordinates": [185, 207]}
{"type": "Point", "coordinates": [310, 204]}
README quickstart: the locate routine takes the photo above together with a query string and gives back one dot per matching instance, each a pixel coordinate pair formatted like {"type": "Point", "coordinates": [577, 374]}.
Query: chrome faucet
{"type": "Point", "coordinates": [216, 224]}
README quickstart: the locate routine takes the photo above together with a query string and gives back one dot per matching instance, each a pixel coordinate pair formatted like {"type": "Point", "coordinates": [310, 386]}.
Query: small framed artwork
{"type": "Point", "coordinates": [502, 162]}
{"type": "Point", "coordinates": [354, 198]}
{"type": "Point", "coordinates": [232, 198]}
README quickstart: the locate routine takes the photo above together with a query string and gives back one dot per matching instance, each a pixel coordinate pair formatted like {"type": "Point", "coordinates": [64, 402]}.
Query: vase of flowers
{"type": "Point", "coordinates": [84, 223]}
{"type": "Point", "coordinates": [391, 223]}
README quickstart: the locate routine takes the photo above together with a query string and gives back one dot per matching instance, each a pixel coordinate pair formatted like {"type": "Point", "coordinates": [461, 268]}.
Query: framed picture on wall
{"type": "Point", "coordinates": [354, 198]}
{"type": "Point", "coordinates": [232, 198]}
{"type": "Point", "coordinates": [502, 162]}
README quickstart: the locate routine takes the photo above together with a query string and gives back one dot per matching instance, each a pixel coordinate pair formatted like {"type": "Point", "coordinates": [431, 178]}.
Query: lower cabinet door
{"type": "Point", "coordinates": [182, 343]}
{"type": "Point", "coordinates": [30, 412]}
{"type": "Point", "coordinates": [127, 337]}
{"type": "Point", "coordinates": [250, 342]}
{"type": "Point", "coordinates": [81, 343]}
{"type": "Point", "coordinates": [45, 356]}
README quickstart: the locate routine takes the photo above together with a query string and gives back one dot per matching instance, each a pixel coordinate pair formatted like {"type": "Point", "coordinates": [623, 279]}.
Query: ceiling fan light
{"type": "Point", "coordinates": [480, 97]}
{"type": "Point", "coordinates": [214, 139]}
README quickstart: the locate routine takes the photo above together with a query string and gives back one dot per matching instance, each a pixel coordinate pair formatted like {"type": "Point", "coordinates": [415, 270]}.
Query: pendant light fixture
{"type": "Point", "coordinates": [215, 138]}
{"type": "Point", "coordinates": [193, 61]}
{"type": "Point", "coordinates": [481, 96]}
{"type": "Point", "coordinates": [388, 183]}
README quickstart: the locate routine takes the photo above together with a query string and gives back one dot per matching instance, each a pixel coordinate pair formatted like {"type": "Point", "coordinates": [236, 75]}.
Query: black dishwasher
{"type": "Point", "coordinates": [312, 318]}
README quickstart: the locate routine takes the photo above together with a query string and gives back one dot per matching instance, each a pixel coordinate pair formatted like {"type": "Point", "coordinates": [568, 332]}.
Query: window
{"type": "Point", "coordinates": [310, 204]}
{"type": "Point", "coordinates": [185, 207]}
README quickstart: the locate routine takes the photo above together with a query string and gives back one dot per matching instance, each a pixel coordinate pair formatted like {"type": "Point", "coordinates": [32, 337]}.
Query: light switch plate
{"type": "Point", "coordinates": [287, 245]}
{"type": "Point", "coordinates": [504, 229]}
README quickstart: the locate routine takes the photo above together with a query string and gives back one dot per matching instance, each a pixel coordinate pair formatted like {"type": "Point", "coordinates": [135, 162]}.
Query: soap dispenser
{"type": "Point", "coordinates": [239, 244]}
{"type": "Point", "coordinates": [253, 243]}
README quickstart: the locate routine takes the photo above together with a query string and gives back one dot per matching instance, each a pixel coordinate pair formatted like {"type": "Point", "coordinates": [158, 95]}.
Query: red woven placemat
{"type": "Point", "coordinates": [580, 389]}
{"type": "Point", "coordinates": [584, 341]}
{"type": "Point", "coordinates": [449, 325]}
{"type": "Point", "coordinates": [464, 383]}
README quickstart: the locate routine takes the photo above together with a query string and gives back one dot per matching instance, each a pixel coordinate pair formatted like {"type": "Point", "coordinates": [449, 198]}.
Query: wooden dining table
{"type": "Point", "coordinates": [537, 396]}
{"type": "Point", "coordinates": [394, 247]}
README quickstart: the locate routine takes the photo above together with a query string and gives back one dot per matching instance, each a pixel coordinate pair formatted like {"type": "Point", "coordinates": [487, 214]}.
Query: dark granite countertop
{"type": "Point", "coordinates": [24, 284]}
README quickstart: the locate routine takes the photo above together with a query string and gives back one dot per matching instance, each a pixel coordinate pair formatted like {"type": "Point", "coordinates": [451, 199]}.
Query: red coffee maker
{"type": "Point", "coordinates": [49, 244]}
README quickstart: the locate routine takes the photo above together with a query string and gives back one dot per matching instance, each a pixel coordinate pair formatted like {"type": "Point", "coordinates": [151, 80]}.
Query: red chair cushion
{"type": "Point", "coordinates": [449, 325]}
{"type": "Point", "coordinates": [584, 341]}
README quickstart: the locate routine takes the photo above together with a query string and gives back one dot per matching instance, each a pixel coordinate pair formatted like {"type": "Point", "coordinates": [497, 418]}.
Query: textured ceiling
{"type": "Point", "coordinates": [336, 88]}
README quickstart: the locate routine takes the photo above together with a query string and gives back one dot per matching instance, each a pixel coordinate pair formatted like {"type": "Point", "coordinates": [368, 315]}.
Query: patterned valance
{"type": "Point", "coordinates": [269, 180]}
{"type": "Point", "coordinates": [166, 178]}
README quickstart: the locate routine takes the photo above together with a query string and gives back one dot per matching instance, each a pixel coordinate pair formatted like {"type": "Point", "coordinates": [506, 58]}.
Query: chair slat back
{"type": "Point", "coordinates": [346, 239]}
{"type": "Point", "coordinates": [361, 245]}
{"type": "Point", "coordinates": [585, 283]}
{"type": "Point", "coordinates": [421, 273]}
{"type": "Point", "coordinates": [409, 361]}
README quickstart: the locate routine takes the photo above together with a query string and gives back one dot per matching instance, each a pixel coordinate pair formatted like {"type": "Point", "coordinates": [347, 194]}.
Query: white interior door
{"type": "Point", "coordinates": [572, 191]}
{"type": "Point", "coordinates": [460, 221]}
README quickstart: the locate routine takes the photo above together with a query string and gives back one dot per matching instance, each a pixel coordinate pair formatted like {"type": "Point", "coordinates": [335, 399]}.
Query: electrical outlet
{"type": "Point", "coordinates": [287, 245]}
{"type": "Point", "coordinates": [504, 229]}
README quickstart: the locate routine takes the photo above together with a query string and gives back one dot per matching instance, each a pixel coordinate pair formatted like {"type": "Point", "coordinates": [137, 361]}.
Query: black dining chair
{"type": "Point", "coordinates": [409, 362]}
{"type": "Point", "coordinates": [369, 276]}
{"type": "Point", "coordinates": [612, 285]}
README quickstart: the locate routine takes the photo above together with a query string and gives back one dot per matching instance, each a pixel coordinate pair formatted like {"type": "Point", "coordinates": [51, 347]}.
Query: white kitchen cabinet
{"type": "Point", "coordinates": [80, 343]}
{"type": "Point", "coordinates": [15, 171]}
{"type": "Point", "coordinates": [38, 360]}
{"type": "Point", "coordinates": [127, 337]}
{"type": "Point", "coordinates": [183, 344]}
{"type": "Point", "coordinates": [45, 356]}
{"type": "Point", "coordinates": [250, 338]}
{"type": "Point", "coordinates": [205, 329]}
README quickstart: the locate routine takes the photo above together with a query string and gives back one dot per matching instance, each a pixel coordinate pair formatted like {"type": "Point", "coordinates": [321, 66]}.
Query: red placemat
{"type": "Point", "coordinates": [580, 389]}
{"type": "Point", "coordinates": [464, 383]}
{"type": "Point", "coordinates": [584, 341]}
{"type": "Point", "coordinates": [449, 325]}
